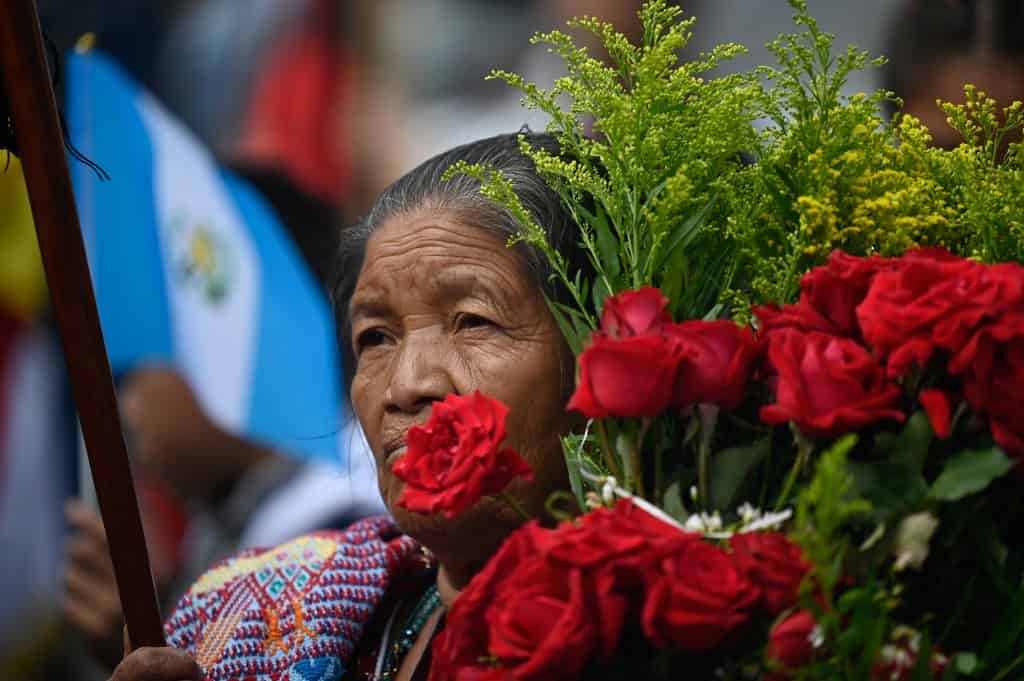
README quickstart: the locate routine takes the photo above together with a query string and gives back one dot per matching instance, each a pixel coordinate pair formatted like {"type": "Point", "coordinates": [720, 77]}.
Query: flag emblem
{"type": "Point", "coordinates": [202, 259]}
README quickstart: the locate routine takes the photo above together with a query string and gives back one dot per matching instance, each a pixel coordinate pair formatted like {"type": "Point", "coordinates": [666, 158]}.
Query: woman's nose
{"type": "Point", "coordinates": [420, 376]}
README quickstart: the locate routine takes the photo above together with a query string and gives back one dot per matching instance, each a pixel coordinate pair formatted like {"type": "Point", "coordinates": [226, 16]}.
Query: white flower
{"type": "Point", "coordinates": [608, 490]}
{"type": "Point", "coordinates": [912, 538]}
{"type": "Point", "coordinates": [714, 521]}
{"type": "Point", "coordinates": [817, 636]}
{"type": "Point", "coordinates": [764, 521]}
{"type": "Point", "coordinates": [708, 524]}
{"type": "Point", "coordinates": [748, 513]}
{"type": "Point", "coordinates": [898, 659]}
{"type": "Point", "coordinates": [695, 523]}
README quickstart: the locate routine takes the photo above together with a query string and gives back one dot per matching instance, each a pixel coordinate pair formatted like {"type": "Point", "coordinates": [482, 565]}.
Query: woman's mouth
{"type": "Point", "coordinates": [395, 454]}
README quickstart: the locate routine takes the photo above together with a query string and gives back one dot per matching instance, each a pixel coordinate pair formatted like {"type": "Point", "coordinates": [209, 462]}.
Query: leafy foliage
{"type": "Point", "coordinates": [658, 176]}
{"type": "Point", "coordinates": [667, 138]}
{"type": "Point", "coordinates": [723, 191]}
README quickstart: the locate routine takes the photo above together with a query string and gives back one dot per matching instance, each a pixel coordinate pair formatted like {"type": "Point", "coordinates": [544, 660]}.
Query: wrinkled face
{"type": "Point", "coordinates": [440, 307]}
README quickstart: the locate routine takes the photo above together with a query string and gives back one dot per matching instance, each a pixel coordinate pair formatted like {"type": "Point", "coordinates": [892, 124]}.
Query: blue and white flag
{"type": "Point", "coordinates": [192, 269]}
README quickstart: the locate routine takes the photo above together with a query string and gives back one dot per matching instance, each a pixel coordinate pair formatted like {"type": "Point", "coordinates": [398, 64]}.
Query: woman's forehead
{"type": "Point", "coordinates": [437, 254]}
{"type": "Point", "coordinates": [425, 230]}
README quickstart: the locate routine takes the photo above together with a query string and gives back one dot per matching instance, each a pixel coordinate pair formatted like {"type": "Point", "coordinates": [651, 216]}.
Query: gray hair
{"type": "Point", "coordinates": [460, 197]}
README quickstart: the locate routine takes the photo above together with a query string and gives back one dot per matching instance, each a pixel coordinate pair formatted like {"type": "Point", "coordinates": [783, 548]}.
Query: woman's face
{"type": "Point", "coordinates": [440, 307]}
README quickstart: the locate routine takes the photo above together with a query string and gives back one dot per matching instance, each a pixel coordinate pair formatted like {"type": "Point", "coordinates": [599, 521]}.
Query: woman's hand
{"type": "Point", "coordinates": [173, 439]}
{"type": "Point", "coordinates": [156, 664]}
{"type": "Point", "coordinates": [91, 600]}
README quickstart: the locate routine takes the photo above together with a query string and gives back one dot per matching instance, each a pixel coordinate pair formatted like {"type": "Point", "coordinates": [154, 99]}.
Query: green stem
{"type": "Point", "coordinates": [803, 454]}
{"type": "Point", "coordinates": [514, 505]}
{"type": "Point", "coordinates": [659, 477]}
{"type": "Point", "coordinates": [762, 497]}
{"type": "Point", "coordinates": [609, 456]}
{"type": "Point", "coordinates": [708, 417]}
{"type": "Point", "coordinates": [703, 454]}
{"type": "Point", "coordinates": [965, 598]}
{"type": "Point", "coordinates": [638, 468]}
{"type": "Point", "coordinates": [794, 472]}
{"type": "Point", "coordinates": [1006, 671]}
{"type": "Point", "coordinates": [638, 474]}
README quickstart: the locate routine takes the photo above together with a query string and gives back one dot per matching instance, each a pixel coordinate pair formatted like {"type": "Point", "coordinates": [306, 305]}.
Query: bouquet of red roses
{"type": "Point", "coordinates": [804, 404]}
{"type": "Point", "coordinates": [920, 356]}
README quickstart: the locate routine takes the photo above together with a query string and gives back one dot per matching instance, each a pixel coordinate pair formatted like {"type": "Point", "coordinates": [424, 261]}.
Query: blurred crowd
{"type": "Point", "coordinates": [319, 104]}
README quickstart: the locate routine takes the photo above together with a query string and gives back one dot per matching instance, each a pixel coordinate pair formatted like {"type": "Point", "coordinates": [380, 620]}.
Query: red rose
{"type": "Point", "coordinates": [774, 563]}
{"type": "Point", "coordinates": [990, 298]}
{"type": "Point", "coordinates": [628, 377]}
{"type": "Point", "coordinates": [537, 619]}
{"type": "Point", "coordinates": [978, 355]}
{"type": "Point", "coordinates": [455, 458]}
{"type": "Point", "coordinates": [840, 286]}
{"type": "Point", "coordinates": [716, 361]}
{"type": "Point", "coordinates": [829, 296]}
{"type": "Point", "coordinates": [994, 379]}
{"type": "Point", "coordinates": [635, 313]}
{"type": "Point", "coordinates": [827, 385]}
{"type": "Point", "coordinates": [624, 544]}
{"type": "Point", "coordinates": [698, 599]}
{"type": "Point", "coordinates": [483, 674]}
{"type": "Point", "coordinates": [934, 303]}
{"type": "Point", "coordinates": [1008, 434]}
{"type": "Point", "coordinates": [938, 409]}
{"type": "Point", "coordinates": [459, 647]}
{"type": "Point", "coordinates": [800, 315]}
{"type": "Point", "coordinates": [548, 621]}
{"type": "Point", "coordinates": [789, 643]}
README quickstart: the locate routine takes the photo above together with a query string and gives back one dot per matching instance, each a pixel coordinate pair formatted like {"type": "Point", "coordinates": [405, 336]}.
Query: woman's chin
{"type": "Point", "coordinates": [471, 536]}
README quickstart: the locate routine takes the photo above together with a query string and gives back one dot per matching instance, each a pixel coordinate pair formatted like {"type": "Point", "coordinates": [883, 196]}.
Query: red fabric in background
{"type": "Point", "coordinates": [294, 114]}
{"type": "Point", "coordinates": [166, 523]}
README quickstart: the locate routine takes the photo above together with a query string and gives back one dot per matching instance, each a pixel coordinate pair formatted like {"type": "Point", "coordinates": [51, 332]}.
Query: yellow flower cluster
{"type": "Point", "coordinates": [680, 189]}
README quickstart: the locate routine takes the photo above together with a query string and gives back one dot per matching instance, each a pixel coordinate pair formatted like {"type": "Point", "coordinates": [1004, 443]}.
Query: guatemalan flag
{"type": "Point", "coordinates": [192, 269]}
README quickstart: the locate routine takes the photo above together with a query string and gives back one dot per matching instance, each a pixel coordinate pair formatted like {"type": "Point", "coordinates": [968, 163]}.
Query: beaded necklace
{"type": "Point", "coordinates": [425, 607]}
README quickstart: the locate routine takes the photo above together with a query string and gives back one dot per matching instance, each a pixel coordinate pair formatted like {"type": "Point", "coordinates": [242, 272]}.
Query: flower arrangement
{"type": "Point", "coordinates": [801, 360]}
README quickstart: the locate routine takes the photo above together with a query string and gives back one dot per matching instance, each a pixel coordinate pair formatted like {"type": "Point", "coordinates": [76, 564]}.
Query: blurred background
{"type": "Point", "coordinates": [348, 95]}
{"type": "Point", "coordinates": [317, 105]}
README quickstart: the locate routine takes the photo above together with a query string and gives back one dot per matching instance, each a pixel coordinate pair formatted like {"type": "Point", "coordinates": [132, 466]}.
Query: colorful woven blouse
{"type": "Point", "coordinates": [296, 612]}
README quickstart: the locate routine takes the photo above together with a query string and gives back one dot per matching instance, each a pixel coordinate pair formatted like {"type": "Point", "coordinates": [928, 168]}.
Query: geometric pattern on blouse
{"type": "Point", "coordinates": [291, 613]}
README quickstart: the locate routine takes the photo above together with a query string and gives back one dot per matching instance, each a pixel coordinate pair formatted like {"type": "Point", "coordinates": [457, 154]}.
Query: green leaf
{"type": "Point", "coordinates": [892, 487]}
{"type": "Point", "coordinates": [673, 502]}
{"type": "Point", "coordinates": [671, 282]}
{"type": "Point", "coordinates": [564, 317]}
{"type": "Point", "coordinates": [911, 444]}
{"type": "Point", "coordinates": [686, 232]}
{"type": "Point", "coordinates": [600, 292]}
{"type": "Point", "coordinates": [863, 624]}
{"type": "Point", "coordinates": [574, 462]}
{"type": "Point", "coordinates": [965, 663]}
{"type": "Point", "coordinates": [923, 669]}
{"type": "Point", "coordinates": [1007, 634]}
{"type": "Point", "coordinates": [732, 468]}
{"type": "Point", "coordinates": [607, 244]}
{"type": "Point", "coordinates": [970, 472]}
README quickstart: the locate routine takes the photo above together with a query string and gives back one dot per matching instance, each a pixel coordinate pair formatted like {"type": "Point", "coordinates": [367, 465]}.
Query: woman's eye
{"type": "Point", "coordinates": [466, 320]}
{"type": "Point", "coordinates": [368, 339]}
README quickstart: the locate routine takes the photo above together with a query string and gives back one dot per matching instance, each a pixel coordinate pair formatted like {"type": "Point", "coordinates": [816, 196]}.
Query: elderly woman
{"type": "Point", "coordinates": [432, 302]}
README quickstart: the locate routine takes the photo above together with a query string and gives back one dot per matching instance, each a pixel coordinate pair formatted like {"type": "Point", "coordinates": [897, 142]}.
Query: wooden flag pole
{"type": "Point", "coordinates": [33, 109]}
